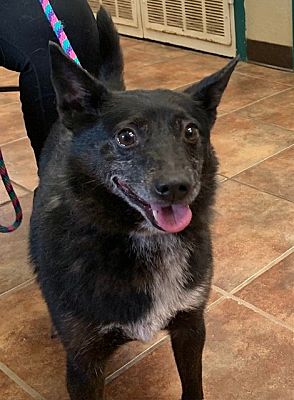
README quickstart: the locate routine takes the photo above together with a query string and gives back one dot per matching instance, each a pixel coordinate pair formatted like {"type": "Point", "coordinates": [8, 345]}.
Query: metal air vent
{"type": "Point", "coordinates": [122, 11]}
{"type": "Point", "coordinates": [206, 25]}
{"type": "Point", "coordinates": [203, 19]}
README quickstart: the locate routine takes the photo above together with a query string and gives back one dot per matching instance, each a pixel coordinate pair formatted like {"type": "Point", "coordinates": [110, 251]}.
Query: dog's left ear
{"type": "Point", "coordinates": [208, 92]}
{"type": "Point", "coordinates": [79, 95]}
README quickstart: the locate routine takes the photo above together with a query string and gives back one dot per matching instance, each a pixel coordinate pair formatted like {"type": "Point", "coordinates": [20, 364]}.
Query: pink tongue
{"type": "Point", "coordinates": [172, 219]}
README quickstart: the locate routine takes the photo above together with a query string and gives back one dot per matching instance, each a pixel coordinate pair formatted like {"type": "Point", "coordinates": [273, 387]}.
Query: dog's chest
{"type": "Point", "coordinates": [167, 256]}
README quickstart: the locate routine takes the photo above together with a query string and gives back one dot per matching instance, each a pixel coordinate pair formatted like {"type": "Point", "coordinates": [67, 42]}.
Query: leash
{"type": "Point", "coordinates": [57, 27]}
{"type": "Point", "coordinates": [13, 197]}
{"type": "Point", "coordinates": [58, 30]}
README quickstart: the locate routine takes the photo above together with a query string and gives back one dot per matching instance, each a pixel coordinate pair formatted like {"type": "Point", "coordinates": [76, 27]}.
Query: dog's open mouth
{"type": "Point", "coordinates": [172, 219]}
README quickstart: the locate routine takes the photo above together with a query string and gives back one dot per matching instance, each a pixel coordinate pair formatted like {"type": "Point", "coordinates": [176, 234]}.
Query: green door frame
{"type": "Point", "coordinates": [240, 27]}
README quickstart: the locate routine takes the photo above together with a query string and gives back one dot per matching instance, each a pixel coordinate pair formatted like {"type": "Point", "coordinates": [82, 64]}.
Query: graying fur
{"type": "Point", "coordinates": [167, 288]}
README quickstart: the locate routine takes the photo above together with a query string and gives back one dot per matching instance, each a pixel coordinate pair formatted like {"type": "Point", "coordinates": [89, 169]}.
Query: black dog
{"type": "Point", "coordinates": [120, 233]}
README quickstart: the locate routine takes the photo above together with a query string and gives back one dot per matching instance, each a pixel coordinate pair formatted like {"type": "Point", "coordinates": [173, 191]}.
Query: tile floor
{"type": "Point", "coordinates": [249, 351]}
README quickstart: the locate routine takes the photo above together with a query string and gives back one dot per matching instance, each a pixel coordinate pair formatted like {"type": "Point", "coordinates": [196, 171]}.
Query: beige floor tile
{"type": "Point", "coordinates": [20, 163]}
{"type": "Point", "coordinates": [277, 110]}
{"type": "Point", "coordinates": [4, 198]}
{"type": "Point", "coordinates": [173, 73]}
{"type": "Point", "coordinates": [8, 98]}
{"type": "Point", "coordinates": [267, 73]}
{"type": "Point", "coordinates": [25, 344]}
{"type": "Point", "coordinates": [10, 390]}
{"type": "Point", "coordinates": [14, 265]}
{"type": "Point", "coordinates": [11, 123]}
{"type": "Point", "coordinates": [242, 142]}
{"type": "Point", "coordinates": [274, 175]}
{"type": "Point", "coordinates": [251, 229]}
{"type": "Point", "coordinates": [273, 291]}
{"type": "Point", "coordinates": [8, 78]}
{"type": "Point", "coordinates": [243, 90]}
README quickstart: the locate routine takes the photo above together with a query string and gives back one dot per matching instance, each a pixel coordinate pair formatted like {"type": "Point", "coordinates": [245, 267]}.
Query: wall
{"type": "Point", "coordinates": [269, 31]}
{"type": "Point", "coordinates": [269, 21]}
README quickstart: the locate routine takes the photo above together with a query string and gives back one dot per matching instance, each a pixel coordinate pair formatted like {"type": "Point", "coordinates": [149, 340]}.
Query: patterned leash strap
{"type": "Point", "coordinates": [58, 30]}
{"type": "Point", "coordinates": [13, 198]}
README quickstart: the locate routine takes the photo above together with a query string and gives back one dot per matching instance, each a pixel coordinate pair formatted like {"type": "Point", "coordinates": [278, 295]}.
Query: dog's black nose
{"type": "Point", "coordinates": [173, 190]}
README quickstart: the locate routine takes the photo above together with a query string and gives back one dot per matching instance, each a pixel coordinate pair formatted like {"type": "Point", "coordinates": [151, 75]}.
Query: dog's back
{"type": "Point", "coordinates": [120, 233]}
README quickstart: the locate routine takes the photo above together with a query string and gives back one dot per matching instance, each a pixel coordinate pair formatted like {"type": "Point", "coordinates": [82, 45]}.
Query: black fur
{"type": "Point", "coordinates": [85, 227]}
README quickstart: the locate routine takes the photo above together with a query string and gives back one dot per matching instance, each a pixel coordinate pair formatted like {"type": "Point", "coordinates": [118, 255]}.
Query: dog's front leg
{"type": "Point", "coordinates": [187, 332]}
{"type": "Point", "coordinates": [86, 365]}
{"type": "Point", "coordinates": [85, 382]}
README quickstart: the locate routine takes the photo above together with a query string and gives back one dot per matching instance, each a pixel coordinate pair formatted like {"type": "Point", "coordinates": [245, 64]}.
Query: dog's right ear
{"type": "Point", "coordinates": [208, 92]}
{"type": "Point", "coordinates": [79, 95]}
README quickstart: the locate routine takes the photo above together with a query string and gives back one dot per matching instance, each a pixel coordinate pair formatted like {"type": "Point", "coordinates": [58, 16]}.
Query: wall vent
{"type": "Point", "coordinates": [203, 19]}
{"type": "Point", "coordinates": [206, 25]}
{"type": "Point", "coordinates": [123, 11]}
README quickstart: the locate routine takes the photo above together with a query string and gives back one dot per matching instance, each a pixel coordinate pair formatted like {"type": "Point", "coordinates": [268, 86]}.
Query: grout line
{"type": "Point", "coordinates": [12, 103]}
{"type": "Point", "coordinates": [255, 102]}
{"type": "Point", "coordinates": [239, 72]}
{"type": "Point", "coordinates": [258, 162]}
{"type": "Point", "coordinates": [185, 50]}
{"type": "Point", "coordinates": [220, 290]}
{"type": "Point", "coordinates": [262, 270]}
{"type": "Point", "coordinates": [132, 362]}
{"type": "Point", "coordinates": [261, 312]}
{"type": "Point", "coordinates": [222, 178]}
{"type": "Point", "coordinates": [13, 141]}
{"type": "Point", "coordinates": [261, 190]}
{"type": "Point", "coordinates": [215, 303]}
{"type": "Point", "coordinates": [266, 66]}
{"type": "Point", "coordinates": [186, 86]}
{"type": "Point", "coordinates": [275, 125]}
{"type": "Point", "coordinates": [18, 287]}
{"type": "Point", "coordinates": [230, 295]}
{"type": "Point", "coordinates": [22, 384]}
{"type": "Point", "coordinates": [22, 187]}
{"type": "Point", "coordinates": [178, 47]}
{"type": "Point", "coordinates": [16, 187]}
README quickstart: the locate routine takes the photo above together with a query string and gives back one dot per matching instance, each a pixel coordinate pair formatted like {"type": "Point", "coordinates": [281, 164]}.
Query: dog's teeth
{"type": "Point", "coordinates": [154, 212]}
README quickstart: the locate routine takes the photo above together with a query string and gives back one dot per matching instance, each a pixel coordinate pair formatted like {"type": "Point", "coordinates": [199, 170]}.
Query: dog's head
{"type": "Point", "coordinates": [149, 148]}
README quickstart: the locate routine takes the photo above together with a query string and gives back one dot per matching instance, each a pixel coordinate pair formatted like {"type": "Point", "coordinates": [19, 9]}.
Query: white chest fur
{"type": "Point", "coordinates": [167, 287]}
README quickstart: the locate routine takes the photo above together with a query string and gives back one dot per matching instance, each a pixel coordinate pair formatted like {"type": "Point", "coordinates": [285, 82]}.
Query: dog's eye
{"type": "Point", "coordinates": [191, 133]}
{"type": "Point", "coordinates": [126, 138]}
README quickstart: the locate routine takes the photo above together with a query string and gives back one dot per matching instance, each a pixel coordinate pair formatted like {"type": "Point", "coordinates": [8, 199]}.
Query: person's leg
{"type": "Point", "coordinates": [23, 41]}
{"type": "Point", "coordinates": [24, 37]}
{"type": "Point", "coordinates": [38, 103]}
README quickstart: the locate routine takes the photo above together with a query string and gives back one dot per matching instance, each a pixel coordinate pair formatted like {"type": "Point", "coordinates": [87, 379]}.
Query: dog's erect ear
{"type": "Point", "coordinates": [79, 95]}
{"type": "Point", "coordinates": [208, 92]}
